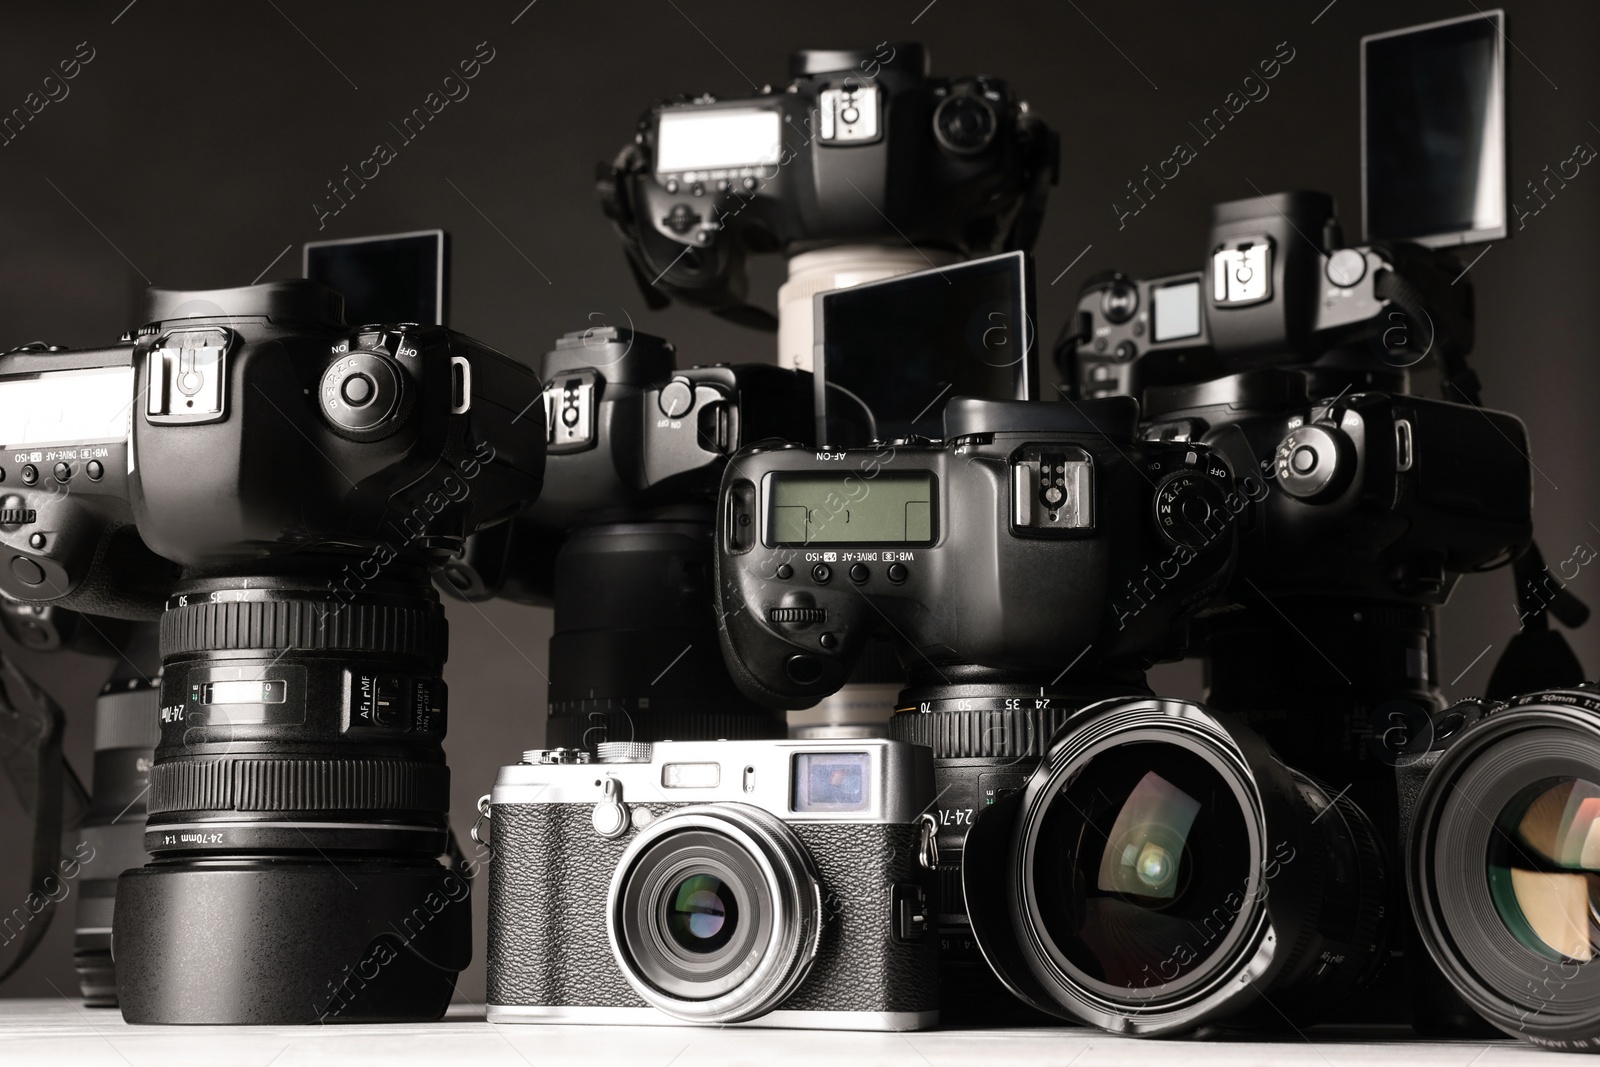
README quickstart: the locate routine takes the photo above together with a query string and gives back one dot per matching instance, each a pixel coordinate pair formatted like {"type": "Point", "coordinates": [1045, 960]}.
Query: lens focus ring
{"type": "Point", "coordinates": [304, 624]}
{"type": "Point", "coordinates": [992, 733]}
{"type": "Point", "coordinates": [299, 785]}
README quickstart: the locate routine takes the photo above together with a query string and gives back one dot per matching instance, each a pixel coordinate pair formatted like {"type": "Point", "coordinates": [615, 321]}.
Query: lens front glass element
{"type": "Point", "coordinates": [1544, 868]}
{"type": "Point", "coordinates": [1142, 866]}
{"type": "Point", "coordinates": [702, 913]}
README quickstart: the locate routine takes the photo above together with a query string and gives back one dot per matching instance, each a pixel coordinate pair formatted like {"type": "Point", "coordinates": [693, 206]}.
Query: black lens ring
{"type": "Point", "coordinates": [273, 620]}
{"type": "Point", "coordinates": [1243, 939]}
{"type": "Point", "coordinates": [1487, 768]}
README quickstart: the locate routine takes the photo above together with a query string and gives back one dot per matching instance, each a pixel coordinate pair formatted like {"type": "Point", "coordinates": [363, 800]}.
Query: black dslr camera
{"type": "Point", "coordinates": [1292, 359]}
{"type": "Point", "coordinates": [862, 149]}
{"type": "Point", "coordinates": [1037, 560]}
{"type": "Point", "coordinates": [620, 540]}
{"type": "Point", "coordinates": [306, 477]}
{"type": "Point", "coordinates": [1278, 286]}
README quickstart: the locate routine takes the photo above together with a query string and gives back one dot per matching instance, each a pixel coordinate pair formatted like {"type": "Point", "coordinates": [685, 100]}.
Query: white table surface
{"type": "Point", "coordinates": [59, 1032]}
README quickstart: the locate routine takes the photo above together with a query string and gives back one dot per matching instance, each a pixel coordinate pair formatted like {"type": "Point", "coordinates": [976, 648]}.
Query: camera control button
{"type": "Point", "coordinates": [681, 219]}
{"type": "Point", "coordinates": [801, 668]}
{"type": "Point", "coordinates": [30, 474]}
{"type": "Point", "coordinates": [1346, 267]}
{"type": "Point", "coordinates": [63, 472]}
{"type": "Point", "coordinates": [676, 398]}
{"type": "Point", "coordinates": [96, 470]}
{"type": "Point", "coordinates": [358, 389]}
{"type": "Point", "coordinates": [859, 573]}
{"type": "Point", "coordinates": [898, 573]}
{"type": "Point", "coordinates": [1126, 351]}
{"type": "Point", "coordinates": [828, 640]}
{"type": "Point", "coordinates": [785, 572]}
{"type": "Point", "coordinates": [27, 571]}
{"type": "Point", "coordinates": [821, 574]}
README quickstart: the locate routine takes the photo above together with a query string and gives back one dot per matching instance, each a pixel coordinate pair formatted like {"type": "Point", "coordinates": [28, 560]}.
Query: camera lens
{"type": "Point", "coordinates": [1162, 869]}
{"type": "Point", "coordinates": [635, 654]}
{"type": "Point", "coordinates": [715, 913]}
{"type": "Point", "coordinates": [125, 730]}
{"type": "Point", "coordinates": [1504, 867]}
{"type": "Point", "coordinates": [299, 780]}
{"type": "Point", "coordinates": [1544, 872]}
{"type": "Point", "coordinates": [702, 913]}
{"type": "Point", "coordinates": [1128, 863]}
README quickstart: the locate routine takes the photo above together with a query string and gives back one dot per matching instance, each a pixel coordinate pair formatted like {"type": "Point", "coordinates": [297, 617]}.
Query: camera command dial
{"type": "Point", "coordinates": [364, 396]}
{"type": "Point", "coordinates": [1191, 509]}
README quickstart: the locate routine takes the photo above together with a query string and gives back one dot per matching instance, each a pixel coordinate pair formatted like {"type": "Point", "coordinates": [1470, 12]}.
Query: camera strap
{"type": "Point", "coordinates": [31, 725]}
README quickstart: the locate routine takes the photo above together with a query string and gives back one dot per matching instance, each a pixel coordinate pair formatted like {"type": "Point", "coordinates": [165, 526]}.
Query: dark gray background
{"type": "Point", "coordinates": [191, 149]}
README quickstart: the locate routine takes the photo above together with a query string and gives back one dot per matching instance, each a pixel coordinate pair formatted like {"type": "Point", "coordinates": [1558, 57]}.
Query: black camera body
{"type": "Point", "coordinates": [1278, 286]}
{"type": "Point", "coordinates": [300, 479]}
{"type": "Point", "coordinates": [255, 425]}
{"type": "Point", "coordinates": [862, 147]}
{"type": "Point", "coordinates": [1073, 527]}
{"type": "Point", "coordinates": [629, 433]}
{"type": "Point", "coordinates": [620, 539]}
{"type": "Point", "coordinates": [780, 883]}
{"type": "Point", "coordinates": [1373, 494]}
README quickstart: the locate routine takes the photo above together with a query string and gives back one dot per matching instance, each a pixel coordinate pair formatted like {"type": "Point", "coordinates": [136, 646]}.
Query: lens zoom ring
{"type": "Point", "coordinates": [304, 624]}
{"type": "Point", "coordinates": [978, 734]}
{"type": "Point", "coordinates": [299, 785]}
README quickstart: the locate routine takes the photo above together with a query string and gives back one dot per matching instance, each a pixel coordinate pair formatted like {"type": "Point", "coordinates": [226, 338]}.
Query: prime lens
{"type": "Point", "coordinates": [1162, 870]}
{"type": "Point", "coordinates": [715, 913]}
{"type": "Point", "coordinates": [298, 804]}
{"type": "Point", "coordinates": [1503, 866]}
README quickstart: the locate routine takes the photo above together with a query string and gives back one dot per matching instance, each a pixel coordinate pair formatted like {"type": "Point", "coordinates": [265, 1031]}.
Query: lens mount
{"type": "Point", "coordinates": [1161, 870]}
{"type": "Point", "coordinates": [1503, 889]}
{"type": "Point", "coordinates": [715, 913]}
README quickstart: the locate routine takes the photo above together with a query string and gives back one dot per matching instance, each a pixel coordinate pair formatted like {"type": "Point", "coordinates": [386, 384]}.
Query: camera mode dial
{"type": "Point", "coordinates": [1191, 510]}
{"type": "Point", "coordinates": [364, 396]}
{"type": "Point", "coordinates": [1315, 463]}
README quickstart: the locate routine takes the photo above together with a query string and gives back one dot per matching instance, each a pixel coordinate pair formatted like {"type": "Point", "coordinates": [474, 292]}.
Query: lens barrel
{"type": "Point", "coordinates": [126, 727]}
{"type": "Point", "coordinates": [1163, 870]}
{"type": "Point", "coordinates": [298, 801]}
{"type": "Point", "coordinates": [635, 654]}
{"type": "Point", "coordinates": [1503, 866]}
{"type": "Point", "coordinates": [987, 735]}
{"type": "Point", "coordinates": [715, 913]}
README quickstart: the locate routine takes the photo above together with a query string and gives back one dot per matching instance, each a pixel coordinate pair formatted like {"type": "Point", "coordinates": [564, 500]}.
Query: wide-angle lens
{"type": "Point", "coordinates": [1141, 865]}
{"type": "Point", "coordinates": [1162, 869]}
{"type": "Point", "coordinates": [1503, 867]}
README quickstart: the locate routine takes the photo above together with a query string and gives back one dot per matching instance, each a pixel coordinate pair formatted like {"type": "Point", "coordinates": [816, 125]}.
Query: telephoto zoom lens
{"type": "Point", "coordinates": [111, 840]}
{"type": "Point", "coordinates": [1503, 865]}
{"type": "Point", "coordinates": [1162, 870]}
{"type": "Point", "coordinates": [298, 807]}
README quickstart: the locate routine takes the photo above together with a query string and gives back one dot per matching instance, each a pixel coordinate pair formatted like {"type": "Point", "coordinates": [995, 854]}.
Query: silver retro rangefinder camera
{"type": "Point", "coordinates": [785, 883]}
